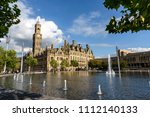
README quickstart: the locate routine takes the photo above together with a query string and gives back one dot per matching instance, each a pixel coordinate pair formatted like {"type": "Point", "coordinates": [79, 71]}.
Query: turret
{"type": "Point", "coordinates": [87, 47]}
{"type": "Point", "coordinates": [52, 46]}
{"type": "Point", "coordinates": [73, 42]}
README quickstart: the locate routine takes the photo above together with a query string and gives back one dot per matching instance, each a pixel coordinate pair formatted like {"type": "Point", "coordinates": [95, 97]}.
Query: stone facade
{"type": "Point", "coordinates": [68, 51]}
{"type": "Point", "coordinates": [37, 39]}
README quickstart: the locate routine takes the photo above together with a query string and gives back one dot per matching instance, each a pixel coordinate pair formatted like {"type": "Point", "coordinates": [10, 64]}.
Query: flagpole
{"type": "Point", "coordinates": [21, 67]}
{"type": "Point", "coordinates": [7, 42]}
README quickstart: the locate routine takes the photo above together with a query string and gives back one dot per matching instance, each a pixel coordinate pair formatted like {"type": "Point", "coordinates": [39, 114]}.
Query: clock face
{"type": "Point", "coordinates": [38, 35]}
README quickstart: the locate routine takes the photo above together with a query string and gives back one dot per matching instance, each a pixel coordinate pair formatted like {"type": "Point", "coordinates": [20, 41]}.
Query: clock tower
{"type": "Point", "coordinates": [37, 39]}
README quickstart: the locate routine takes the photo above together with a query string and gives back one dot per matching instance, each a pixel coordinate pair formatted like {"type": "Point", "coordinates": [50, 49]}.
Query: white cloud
{"type": "Point", "coordinates": [19, 49]}
{"type": "Point", "coordinates": [23, 32]}
{"type": "Point", "coordinates": [26, 11]}
{"type": "Point", "coordinates": [139, 49]}
{"type": "Point", "coordinates": [13, 45]}
{"type": "Point", "coordinates": [99, 44]}
{"type": "Point", "coordinates": [102, 45]}
{"type": "Point", "coordinates": [94, 14]}
{"type": "Point", "coordinates": [88, 25]}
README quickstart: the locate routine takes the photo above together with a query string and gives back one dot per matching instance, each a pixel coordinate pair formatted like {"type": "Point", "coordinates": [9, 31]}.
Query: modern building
{"type": "Point", "coordinates": [68, 51]}
{"type": "Point", "coordinates": [133, 60]}
{"type": "Point", "coordinates": [138, 60]}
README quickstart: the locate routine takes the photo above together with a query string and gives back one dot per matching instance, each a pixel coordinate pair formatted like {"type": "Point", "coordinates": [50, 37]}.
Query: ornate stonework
{"type": "Point", "coordinates": [37, 38]}
{"type": "Point", "coordinates": [68, 51]}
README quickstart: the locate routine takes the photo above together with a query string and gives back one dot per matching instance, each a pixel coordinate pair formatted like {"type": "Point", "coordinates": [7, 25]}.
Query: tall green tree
{"type": "Point", "coordinates": [30, 62]}
{"type": "Point", "coordinates": [54, 64]}
{"type": "Point", "coordinates": [64, 64]}
{"type": "Point", "coordinates": [97, 64]}
{"type": "Point", "coordinates": [11, 60]}
{"type": "Point", "coordinates": [74, 63]}
{"type": "Point", "coordinates": [9, 13]}
{"type": "Point", "coordinates": [2, 58]}
{"type": "Point", "coordinates": [104, 65]}
{"type": "Point", "coordinates": [94, 64]}
{"type": "Point", "coordinates": [18, 64]}
{"type": "Point", "coordinates": [123, 64]}
{"type": "Point", "coordinates": [9, 57]}
{"type": "Point", "coordinates": [135, 15]}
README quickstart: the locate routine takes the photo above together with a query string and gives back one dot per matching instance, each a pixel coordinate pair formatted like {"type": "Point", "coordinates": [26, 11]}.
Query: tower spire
{"type": "Point", "coordinates": [37, 38]}
{"type": "Point", "coordinates": [38, 19]}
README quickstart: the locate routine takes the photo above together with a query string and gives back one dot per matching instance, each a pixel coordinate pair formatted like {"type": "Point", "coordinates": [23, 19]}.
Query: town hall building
{"type": "Point", "coordinates": [68, 51]}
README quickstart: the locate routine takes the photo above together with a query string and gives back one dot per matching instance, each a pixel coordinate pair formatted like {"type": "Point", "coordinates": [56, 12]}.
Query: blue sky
{"type": "Point", "coordinates": [81, 20]}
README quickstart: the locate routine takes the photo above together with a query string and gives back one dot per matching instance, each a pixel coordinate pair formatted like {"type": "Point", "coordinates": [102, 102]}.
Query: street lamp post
{"type": "Point", "coordinates": [7, 43]}
{"type": "Point", "coordinates": [21, 67]}
{"type": "Point", "coordinates": [118, 59]}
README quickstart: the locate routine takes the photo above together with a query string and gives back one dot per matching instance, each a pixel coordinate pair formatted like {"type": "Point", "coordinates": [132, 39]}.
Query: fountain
{"type": "Point", "coordinates": [65, 85]}
{"type": "Point", "coordinates": [15, 76]}
{"type": "Point", "coordinates": [30, 81]}
{"type": "Point", "coordinates": [20, 77]}
{"type": "Point", "coordinates": [110, 70]}
{"type": "Point", "coordinates": [44, 83]}
{"type": "Point", "coordinates": [99, 90]}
